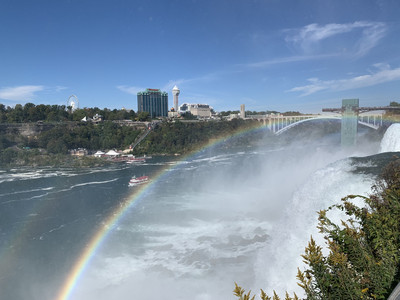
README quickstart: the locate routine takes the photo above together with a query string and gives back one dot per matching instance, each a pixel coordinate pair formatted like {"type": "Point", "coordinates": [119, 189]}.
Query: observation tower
{"type": "Point", "coordinates": [175, 93]}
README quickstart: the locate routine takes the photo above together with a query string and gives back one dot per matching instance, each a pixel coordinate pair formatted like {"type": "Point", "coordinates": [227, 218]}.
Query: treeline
{"type": "Point", "coordinates": [59, 113]}
{"type": "Point", "coordinates": [167, 138]}
{"type": "Point", "coordinates": [106, 135]}
{"type": "Point", "coordinates": [363, 257]}
{"type": "Point", "coordinates": [59, 140]}
{"type": "Point", "coordinates": [179, 137]}
{"type": "Point", "coordinates": [253, 112]}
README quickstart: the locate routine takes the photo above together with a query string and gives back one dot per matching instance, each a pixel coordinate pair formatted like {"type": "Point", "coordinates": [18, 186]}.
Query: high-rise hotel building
{"type": "Point", "coordinates": [154, 101]}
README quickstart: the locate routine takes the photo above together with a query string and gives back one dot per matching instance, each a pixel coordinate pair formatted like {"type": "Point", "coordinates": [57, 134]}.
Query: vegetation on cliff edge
{"type": "Point", "coordinates": [167, 138]}
{"type": "Point", "coordinates": [363, 259]}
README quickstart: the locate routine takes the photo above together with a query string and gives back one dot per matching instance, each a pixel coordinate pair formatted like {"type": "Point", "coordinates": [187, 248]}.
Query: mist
{"type": "Point", "coordinates": [226, 216]}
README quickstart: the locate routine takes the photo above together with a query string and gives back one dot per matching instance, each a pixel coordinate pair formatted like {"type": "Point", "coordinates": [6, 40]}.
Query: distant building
{"type": "Point", "coordinates": [97, 118]}
{"type": "Point", "coordinates": [173, 113]}
{"type": "Point", "coordinates": [153, 101]}
{"type": "Point", "coordinates": [175, 92]}
{"type": "Point", "coordinates": [78, 152]}
{"type": "Point", "coordinates": [242, 112]}
{"type": "Point", "coordinates": [198, 110]}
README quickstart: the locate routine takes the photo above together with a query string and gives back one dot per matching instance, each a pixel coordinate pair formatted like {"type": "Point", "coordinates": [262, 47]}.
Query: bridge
{"type": "Point", "coordinates": [280, 123]}
{"type": "Point", "coordinates": [350, 115]}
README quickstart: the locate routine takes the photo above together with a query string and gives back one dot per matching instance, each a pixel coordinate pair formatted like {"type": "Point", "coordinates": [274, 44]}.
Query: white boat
{"type": "Point", "coordinates": [133, 159]}
{"type": "Point", "coordinates": [138, 180]}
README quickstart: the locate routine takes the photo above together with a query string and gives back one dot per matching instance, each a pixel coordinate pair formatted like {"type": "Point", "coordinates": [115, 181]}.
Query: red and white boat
{"type": "Point", "coordinates": [138, 180]}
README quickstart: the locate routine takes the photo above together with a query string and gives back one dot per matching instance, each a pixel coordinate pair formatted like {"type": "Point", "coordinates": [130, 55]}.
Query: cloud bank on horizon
{"type": "Point", "coordinates": [262, 54]}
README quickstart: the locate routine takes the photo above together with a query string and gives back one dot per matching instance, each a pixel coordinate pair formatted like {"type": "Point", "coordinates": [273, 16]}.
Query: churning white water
{"type": "Point", "coordinates": [278, 261]}
{"type": "Point", "coordinates": [243, 217]}
{"type": "Point", "coordinates": [391, 139]}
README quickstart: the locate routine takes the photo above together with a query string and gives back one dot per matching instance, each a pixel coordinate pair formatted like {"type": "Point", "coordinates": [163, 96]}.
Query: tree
{"type": "Point", "coordinates": [3, 114]}
{"type": "Point", "coordinates": [57, 147]}
{"type": "Point", "coordinates": [7, 156]}
{"type": "Point", "coordinates": [16, 115]}
{"type": "Point", "coordinates": [143, 116]}
{"type": "Point", "coordinates": [78, 114]}
{"type": "Point", "coordinates": [189, 116]}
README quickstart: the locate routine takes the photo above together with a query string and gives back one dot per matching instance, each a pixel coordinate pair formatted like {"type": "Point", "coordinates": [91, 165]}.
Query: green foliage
{"type": "Point", "coordinates": [184, 137]}
{"type": "Point", "coordinates": [291, 113]}
{"type": "Point", "coordinates": [166, 138]}
{"type": "Point", "coordinates": [58, 113]}
{"type": "Point", "coordinates": [143, 116]}
{"type": "Point", "coordinates": [188, 116]}
{"type": "Point", "coordinates": [229, 112]}
{"type": "Point", "coordinates": [107, 135]}
{"type": "Point", "coordinates": [364, 251]}
{"type": "Point", "coordinates": [7, 156]}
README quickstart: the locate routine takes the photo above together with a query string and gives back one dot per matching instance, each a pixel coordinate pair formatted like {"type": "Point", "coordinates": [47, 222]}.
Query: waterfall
{"type": "Point", "coordinates": [391, 139]}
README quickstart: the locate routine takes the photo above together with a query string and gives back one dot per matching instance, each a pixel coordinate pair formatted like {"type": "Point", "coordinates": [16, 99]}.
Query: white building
{"type": "Point", "coordinates": [242, 112]}
{"type": "Point", "coordinates": [198, 110]}
{"type": "Point", "coordinates": [175, 93]}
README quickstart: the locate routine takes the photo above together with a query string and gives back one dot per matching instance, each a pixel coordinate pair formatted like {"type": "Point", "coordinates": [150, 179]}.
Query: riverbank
{"type": "Point", "coordinates": [50, 148]}
{"type": "Point", "coordinates": [35, 158]}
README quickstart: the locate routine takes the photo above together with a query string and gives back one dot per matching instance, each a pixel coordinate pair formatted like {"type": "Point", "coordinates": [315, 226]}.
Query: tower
{"type": "Point", "coordinates": [175, 92]}
{"type": "Point", "coordinates": [349, 121]}
{"type": "Point", "coordinates": [242, 112]}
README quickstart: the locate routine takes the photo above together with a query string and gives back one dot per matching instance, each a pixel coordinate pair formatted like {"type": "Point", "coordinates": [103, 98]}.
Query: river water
{"type": "Point", "coordinates": [221, 216]}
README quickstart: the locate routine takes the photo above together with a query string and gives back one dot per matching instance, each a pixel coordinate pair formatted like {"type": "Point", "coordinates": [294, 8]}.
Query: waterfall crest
{"type": "Point", "coordinates": [391, 140]}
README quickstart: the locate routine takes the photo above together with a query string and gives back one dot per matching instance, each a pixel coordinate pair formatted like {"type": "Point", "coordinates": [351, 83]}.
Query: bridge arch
{"type": "Point", "coordinates": [282, 130]}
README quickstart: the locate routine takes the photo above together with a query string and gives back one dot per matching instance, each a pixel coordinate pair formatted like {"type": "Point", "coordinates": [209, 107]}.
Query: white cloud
{"type": "Point", "coordinates": [372, 34]}
{"type": "Point", "coordinates": [381, 76]}
{"type": "Point", "coordinates": [170, 85]}
{"type": "Point", "coordinates": [284, 60]}
{"type": "Point", "coordinates": [60, 88]}
{"type": "Point", "coordinates": [310, 37]}
{"type": "Point", "coordinates": [213, 76]}
{"type": "Point", "coordinates": [20, 93]}
{"type": "Point", "coordinates": [133, 90]}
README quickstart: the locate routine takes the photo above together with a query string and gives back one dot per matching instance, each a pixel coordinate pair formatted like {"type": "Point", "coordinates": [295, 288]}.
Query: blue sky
{"type": "Point", "coordinates": [280, 55]}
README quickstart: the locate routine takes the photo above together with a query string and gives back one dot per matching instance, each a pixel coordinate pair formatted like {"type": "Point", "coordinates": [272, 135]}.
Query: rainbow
{"type": "Point", "coordinates": [112, 220]}
{"type": "Point", "coordinates": [99, 238]}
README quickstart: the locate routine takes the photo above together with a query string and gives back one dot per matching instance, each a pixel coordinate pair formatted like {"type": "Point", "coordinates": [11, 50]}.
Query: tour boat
{"type": "Point", "coordinates": [138, 180]}
{"type": "Point", "coordinates": [133, 159]}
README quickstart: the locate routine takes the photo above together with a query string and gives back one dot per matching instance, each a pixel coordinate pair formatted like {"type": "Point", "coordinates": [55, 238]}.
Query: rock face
{"type": "Point", "coordinates": [26, 129]}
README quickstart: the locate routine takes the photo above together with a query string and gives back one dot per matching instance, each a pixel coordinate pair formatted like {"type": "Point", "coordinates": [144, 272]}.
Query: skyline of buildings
{"type": "Point", "coordinates": [155, 102]}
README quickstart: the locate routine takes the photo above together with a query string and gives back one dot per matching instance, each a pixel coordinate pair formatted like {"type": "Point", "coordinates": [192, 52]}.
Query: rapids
{"type": "Point", "coordinates": [218, 217]}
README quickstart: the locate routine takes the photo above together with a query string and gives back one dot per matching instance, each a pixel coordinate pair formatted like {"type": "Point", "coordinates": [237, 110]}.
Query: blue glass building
{"type": "Point", "coordinates": [154, 101]}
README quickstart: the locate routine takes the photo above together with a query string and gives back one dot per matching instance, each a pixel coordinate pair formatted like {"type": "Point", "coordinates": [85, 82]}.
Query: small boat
{"type": "Point", "coordinates": [133, 159]}
{"type": "Point", "coordinates": [138, 180]}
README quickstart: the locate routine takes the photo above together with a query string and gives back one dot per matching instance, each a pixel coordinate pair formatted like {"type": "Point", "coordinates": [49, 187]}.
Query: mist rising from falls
{"type": "Point", "coordinates": [240, 217]}
{"type": "Point", "coordinates": [391, 139]}
{"type": "Point", "coordinates": [278, 262]}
